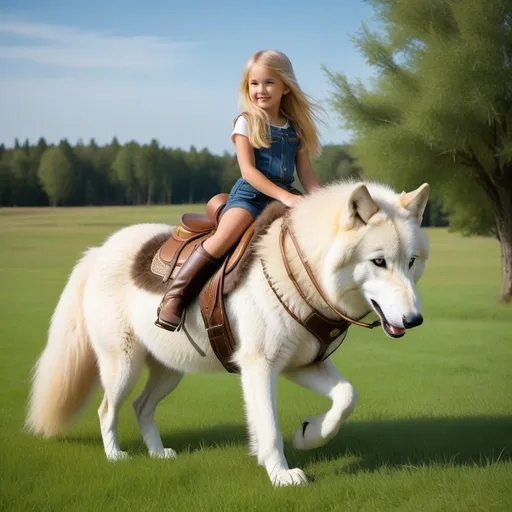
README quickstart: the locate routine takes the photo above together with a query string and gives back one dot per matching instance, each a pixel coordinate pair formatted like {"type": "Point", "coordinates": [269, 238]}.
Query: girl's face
{"type": "Point", "coordinates": [266, 89]}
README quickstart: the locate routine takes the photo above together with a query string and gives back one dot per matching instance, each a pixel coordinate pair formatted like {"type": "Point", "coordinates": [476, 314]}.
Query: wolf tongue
{"type": "Point", "coordinates": [396, 330]}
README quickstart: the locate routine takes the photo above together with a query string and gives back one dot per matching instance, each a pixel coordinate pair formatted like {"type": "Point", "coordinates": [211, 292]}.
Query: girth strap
{"type": "Point", "coordinates": [211, 302]}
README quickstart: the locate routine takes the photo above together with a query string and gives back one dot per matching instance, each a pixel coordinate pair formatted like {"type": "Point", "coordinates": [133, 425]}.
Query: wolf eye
{"type": "Point", "coordinates": [379, 262]}
{"type": "Point", "coordinates": [411, 262]}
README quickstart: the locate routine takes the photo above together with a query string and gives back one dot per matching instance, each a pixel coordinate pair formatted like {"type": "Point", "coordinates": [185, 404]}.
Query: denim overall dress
{"type": "Point", "coordinates": [277, 163]}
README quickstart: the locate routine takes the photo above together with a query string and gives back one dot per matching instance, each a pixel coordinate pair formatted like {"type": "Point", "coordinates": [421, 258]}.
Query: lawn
{"type": "Point", "coordinates": [432, 429]}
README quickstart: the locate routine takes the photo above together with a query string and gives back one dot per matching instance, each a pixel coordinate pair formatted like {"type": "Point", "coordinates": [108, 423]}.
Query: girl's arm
{"type": "Point", "coordinates": [305, 172]}
{"type": "Point", "coordinates": [245, 157]}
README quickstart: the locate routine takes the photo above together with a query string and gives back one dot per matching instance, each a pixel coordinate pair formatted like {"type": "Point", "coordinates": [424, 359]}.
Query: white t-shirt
{"type": "Point", "coordinates": [241, 127]}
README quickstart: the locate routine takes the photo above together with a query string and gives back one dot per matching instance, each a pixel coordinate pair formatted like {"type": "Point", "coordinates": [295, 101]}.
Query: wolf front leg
{"type": "Point", "coordinates": [325, 379]}
{"type": "Point", "coordinates": [259, 381]}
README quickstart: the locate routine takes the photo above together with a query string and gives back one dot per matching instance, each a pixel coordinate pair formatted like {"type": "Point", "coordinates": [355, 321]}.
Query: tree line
{"type": "Point", "coordinates": [112, 174]}
{"type": "Point", "coordinates": [115, 174]}
{"type": "Point", "coordinates": [130, 174]}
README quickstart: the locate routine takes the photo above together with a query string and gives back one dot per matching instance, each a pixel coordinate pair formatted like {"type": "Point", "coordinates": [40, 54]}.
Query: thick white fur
{"type": "Point", "coordinates": [103, 324]}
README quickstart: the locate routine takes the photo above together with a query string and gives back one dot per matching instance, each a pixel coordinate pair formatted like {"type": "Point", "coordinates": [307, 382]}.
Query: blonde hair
{"type": "Point", "coordinates": [295, 105]}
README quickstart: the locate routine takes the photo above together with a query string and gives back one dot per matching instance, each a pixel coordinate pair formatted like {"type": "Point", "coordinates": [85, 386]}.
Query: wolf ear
{"type": "Point", "coordinates": [416, 201]}
{"type": "Point", "coordinates": [359, 207]}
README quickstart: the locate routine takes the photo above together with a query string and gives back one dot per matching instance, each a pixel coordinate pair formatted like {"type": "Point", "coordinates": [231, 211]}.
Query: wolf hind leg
{"type": "Point", "coordinates": [325, 379]}
{"type": "Point", "coordinates": [160, 383]}
{"type": "Point", "coordinates": [118, 373]}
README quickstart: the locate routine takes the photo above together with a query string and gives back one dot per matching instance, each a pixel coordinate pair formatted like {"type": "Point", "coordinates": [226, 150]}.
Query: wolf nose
{"type": "Point", "coordinates": [412, 321]}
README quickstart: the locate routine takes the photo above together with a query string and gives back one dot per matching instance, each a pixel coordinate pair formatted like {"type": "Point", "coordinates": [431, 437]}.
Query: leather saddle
{"type": "Point", "coordinates": [192, 230]}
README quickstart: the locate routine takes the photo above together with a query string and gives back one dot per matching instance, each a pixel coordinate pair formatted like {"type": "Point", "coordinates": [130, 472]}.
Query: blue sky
{"type": "Point", "coordinates": [168, 70]}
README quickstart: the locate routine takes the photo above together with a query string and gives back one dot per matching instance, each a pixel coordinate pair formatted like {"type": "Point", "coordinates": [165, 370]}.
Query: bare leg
{"type": "Point", "coordinates": [161, 382]}
{"type": "Point", "coordinates": [199, 267]}
{"type": "Point", "coordinates": [325, 379]}
{"type": "Point", "coordinates": [231, 227]}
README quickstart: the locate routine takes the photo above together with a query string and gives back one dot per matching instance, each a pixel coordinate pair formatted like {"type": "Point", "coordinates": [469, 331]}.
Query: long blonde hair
{"type": "Point", "coordinates": [295, 105]}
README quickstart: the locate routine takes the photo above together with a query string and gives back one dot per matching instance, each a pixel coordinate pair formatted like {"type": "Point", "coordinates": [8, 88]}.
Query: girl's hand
{"type": "Point", "coordinates": [291, 200]}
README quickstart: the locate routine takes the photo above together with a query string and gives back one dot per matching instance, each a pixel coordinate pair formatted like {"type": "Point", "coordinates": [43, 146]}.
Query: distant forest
{"type": "Point", "coordinates": [115, 174]}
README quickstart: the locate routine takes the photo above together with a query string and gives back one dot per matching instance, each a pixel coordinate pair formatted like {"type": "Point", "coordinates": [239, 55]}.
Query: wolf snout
{"type": "Point", "coordinates": [411, 321]}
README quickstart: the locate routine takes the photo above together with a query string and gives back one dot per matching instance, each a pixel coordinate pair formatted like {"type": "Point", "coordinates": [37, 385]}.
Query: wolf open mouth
{"type": "Point", "coordinates": [391, 330]}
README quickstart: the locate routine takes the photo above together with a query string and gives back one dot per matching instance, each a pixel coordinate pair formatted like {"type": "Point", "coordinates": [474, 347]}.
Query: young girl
{"type": "Point", "coordinates": [274, 136]}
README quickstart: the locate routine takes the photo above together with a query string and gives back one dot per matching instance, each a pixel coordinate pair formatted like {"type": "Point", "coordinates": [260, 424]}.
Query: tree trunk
{"type": "Point", "coordinates": [499, 191]}
{"type": "Point", "coordinates": [504, 227]}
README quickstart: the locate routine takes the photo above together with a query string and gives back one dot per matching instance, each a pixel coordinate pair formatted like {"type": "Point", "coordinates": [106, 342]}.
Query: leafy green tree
{"type": "Point", "coordinates": [107, 154]}
{"type": "Point", "coordinates": [181, 176]}
{"type": "Point", "coordinates": [209, 175]}
{"type": "Point", "coordinates": [231, 171]}
{"type": "Point", "coordinates": [78, 182]}
{"type": "Point", "coordinates": [26, 147]}
{"type": "Point", "coordinates": [124, 169]}
{"type": "Point", "coordinates": [147, 163]}
{"type": "Point", "coordinates": [5, 177]}
{"type": "Point", "coordinates": [56, 175]}
{"type": "Point", "coordinates": [23, 182]}
{"type": "Point", "coordinates": [335, 162]}
{"type": "Point", "coordinates": [192, 175]}
{"type": "Point", "coordinates": [439, 108]}
{"type": "Point", "coordinates": [172, 166]}
{"type": "Point", "coordinates": [93, 180]}
{"type": "Point", "coordinates": [36, 153]}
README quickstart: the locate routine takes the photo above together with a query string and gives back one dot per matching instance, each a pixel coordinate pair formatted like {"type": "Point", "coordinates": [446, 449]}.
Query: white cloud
{"type": "Point", "coordinates": [75, 48]}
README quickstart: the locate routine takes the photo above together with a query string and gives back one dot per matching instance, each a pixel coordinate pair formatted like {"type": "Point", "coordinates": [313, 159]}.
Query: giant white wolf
{"type": "Point", "coordinates": [366, 249]}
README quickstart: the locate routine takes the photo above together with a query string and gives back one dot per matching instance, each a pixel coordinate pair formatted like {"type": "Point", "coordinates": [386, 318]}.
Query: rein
{"type": "Point", "coordinates": [284, 230]}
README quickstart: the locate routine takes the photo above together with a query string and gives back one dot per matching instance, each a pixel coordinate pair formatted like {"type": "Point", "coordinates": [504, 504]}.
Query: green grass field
{"type": "Point", "coordinates": [432, 429]}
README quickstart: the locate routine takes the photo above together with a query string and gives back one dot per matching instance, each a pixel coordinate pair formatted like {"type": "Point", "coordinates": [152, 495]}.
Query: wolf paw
{"type": "Point", "coordinates": [285, 477]}
{"type": "Point", "coordinates": [118, 455]}
{"type": "Point", "coordinates": [167, 453]}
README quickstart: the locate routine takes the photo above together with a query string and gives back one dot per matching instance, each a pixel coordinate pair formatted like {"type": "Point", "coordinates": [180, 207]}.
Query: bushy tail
{"type": "Point", "coordinates": [65, 373]}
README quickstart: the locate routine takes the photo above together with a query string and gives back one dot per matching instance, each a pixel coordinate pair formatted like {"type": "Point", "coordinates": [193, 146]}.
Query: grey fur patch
{"type": "Point", "coordinates": [141, 274]}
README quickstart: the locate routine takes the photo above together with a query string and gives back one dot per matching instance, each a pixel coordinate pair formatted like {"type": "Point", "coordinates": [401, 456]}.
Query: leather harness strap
{"type": "Point", "coordinates": [211, 302]}
{"type": "Point", "coordinates": [195, 228]}
{"type": "Point", "coordinates": [324, 329]}
{"type": "Point", "coordinates": [284, 229]}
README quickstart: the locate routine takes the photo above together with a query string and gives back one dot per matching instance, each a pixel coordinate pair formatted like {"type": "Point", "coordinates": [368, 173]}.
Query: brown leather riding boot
{"type": "Point", "coordinates": [187, 284]}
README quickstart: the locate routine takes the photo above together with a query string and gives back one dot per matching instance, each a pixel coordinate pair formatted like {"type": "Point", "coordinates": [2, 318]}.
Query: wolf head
{"type": "Point", "coordinates": [376, 252]}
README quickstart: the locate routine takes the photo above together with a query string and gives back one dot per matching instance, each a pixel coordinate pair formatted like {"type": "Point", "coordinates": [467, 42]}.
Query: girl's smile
{"type": "Point", "coordinates": [266, 89]}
